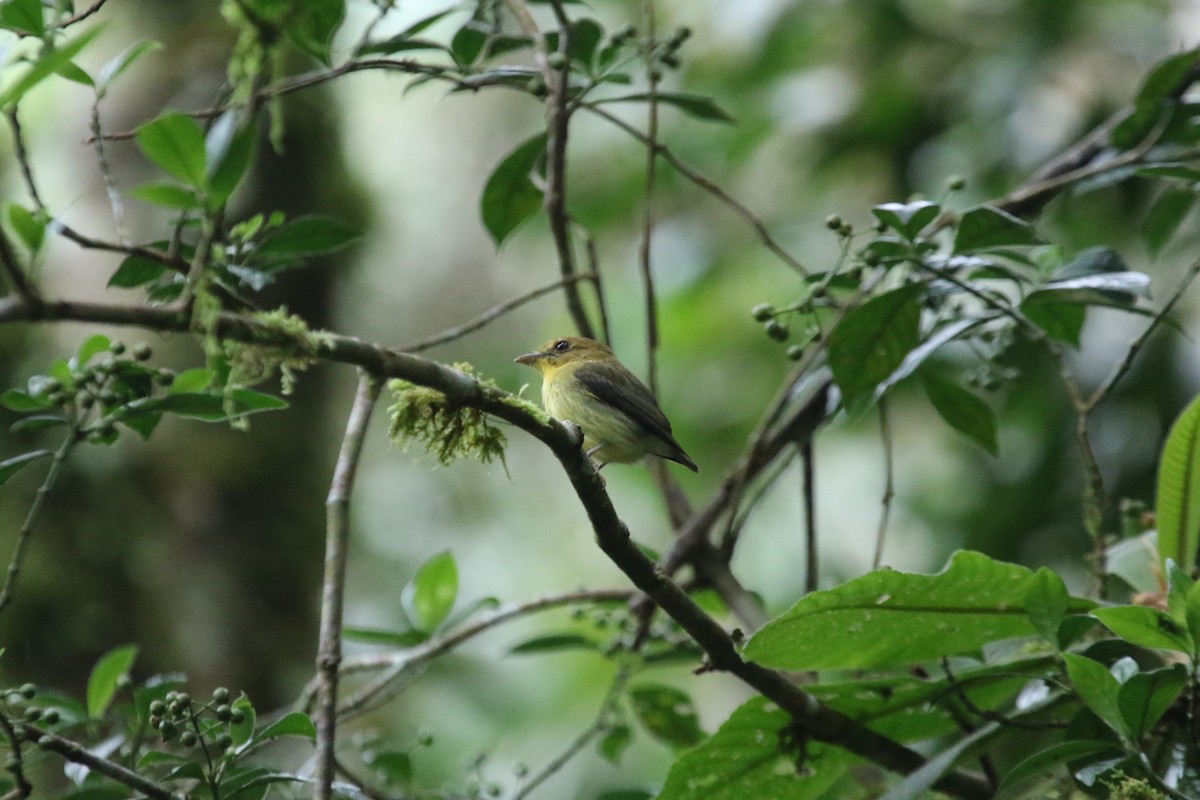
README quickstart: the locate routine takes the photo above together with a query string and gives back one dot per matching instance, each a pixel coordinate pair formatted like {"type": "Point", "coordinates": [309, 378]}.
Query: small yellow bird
{"type": "Point", "coordinates": [582, 382]}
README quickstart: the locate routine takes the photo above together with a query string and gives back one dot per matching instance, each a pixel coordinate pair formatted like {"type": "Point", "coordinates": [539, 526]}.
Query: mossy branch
{"type": "Point", "coordinates": [448, 429]}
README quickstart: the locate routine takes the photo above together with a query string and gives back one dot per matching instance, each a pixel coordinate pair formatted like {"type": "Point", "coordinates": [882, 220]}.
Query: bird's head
{"type": "Point", "coordinates": [565, 350]}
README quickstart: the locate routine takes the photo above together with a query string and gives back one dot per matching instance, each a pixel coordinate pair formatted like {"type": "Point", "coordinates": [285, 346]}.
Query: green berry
{"type": "Point", "coordinates": [623, 34]}
{"type": "Point", "coordinates": [669, 61]}
{"type": "Point", "coordinates": [776, 331]}
{"type": "Point", "coordinates": [142, 351]}
{"type": "Point", "coordinates": [237, 716]}
{"type": "Point", "coordinates": [188, 739]}
{"type": "Point", "coordinates": [158, 708]}
{"type": "Point", "coordinates": [872, 258]}
{"type": "Point", "coordinates": [116, 348]}
{"type": "Point", "coordinates": [956, 183]}
{"type": "Point", "coordinates": [164, 377]}
{"type": "Point", "coordinates": [51, 716]}
{"type": "Point", "coordinates": [27, 690]}
{"type": "Point", "coordinates": [795, 352]}
{"type": "Point", "coordinates": [220, 695]}
{"type": "Point", "coordinates": [167, 730]}
{"type": "Point", "coordinates": [654, 75]}
{"type": "Point", "coordinates": [834, 222]}
{"type": "Point", "coordinates": [762, 312]}
{"type": "Point", "coordinates": [556, 60]}
{"type": "Point", "coordinates": [33, 713]}
{"type": "Point", "coordinates": [223, 741]}
{"type": "Point", "coordinates": [224, 712]}
{"type": "Point", "coordinates": [85, 400]}
{"type": "Point", "coordinates": [536, 87]}
{"type": "Point", "coordinates": [56, 398]}
{"type": "Point", "coordinates": [682, 34]}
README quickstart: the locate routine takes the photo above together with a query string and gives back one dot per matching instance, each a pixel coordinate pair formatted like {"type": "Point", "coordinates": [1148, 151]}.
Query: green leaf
{"type": "Point", "coordinates": [694, 105]}
{"type": "Point", "coordinates": [888, 619]}
{"type": "Point", "coordinates": [1165, 216]}
{"type": "Point", "coordinates": [1178, 499]}
{"type": "Point", "coordinates": [986, 228]}
{"type": "Point", "coordinates": [404, 40]}
{"type": "Point", "coordinates": [242, 732]}
{"type": "Point", "coordinates": [1061, 321]}
{"type": "Point", "coordinates": [962, 410]}
{"type": "Point", "coordinates": [48, 62]}
{"type": "Point", "coordinates": [122, 61]}
{"type": "Point", "coordinates": [1091, 261]}
{"type": "Point", "coordinates": [553, 643]}
{"type": "Point", "coordinates": [393, 766]}
{"type": "Point", "coordinates": [1046, 602]}
{"type": "Point", "coordinates": [1154, 100]}
{"type": "Point", "coordinates": [753, 755]}
{"type": "Point", "coordinates": [312, 29]}
{"type": "Point", "coordinates": [907, 219]}
{"type": "Point", "coordinates": [1145, 697]}
{"type": "Point", "coordinates": [614, 742]}
{"type": "Point", "coordinates": [30, 228]}
{"type": "Point", "coordinates": [667, 713]}
{"type": "Point", "coordinates": [23, 17]}
{"type": "Point", "coordinates": [16, 400]}
{"type": "Point", "coordinates": [307, 236]}
{"type": "Point", "coordinates": [192, 380]}
{"type": "Point", "coordinates": [294, 724]}
{"type": "Point", "coordinates": [108, 672]}
{"type": "Point", "coordinates": [585, 37]}
{"type": "Point", "coordinates": [1192, 612]}
{"type": "Point", "coordinates": [136, 271]}
{"type": "Point", "coordinates": [1043, 761]}
{"type": "Point", "coordinates": [872, 341]}
{"type": "Point", "coordinates": [510, 197]}
{"type": "Point", "coordinates": [207, 407]}
{"type": "Point", "coordinates": [228, 151]}
{"type": "Point", "coordinates": [175, 143]}
{"type": "Point", "coordinates": [168, 195]}
{"type": "Point", "coordinates": [1146, 627]}
{"type": "Point", "coordinates": [402, 639]}
{"type": "Point", "coordinates": [467, 43]}
{"type": "Point", "coordinates": [35, 423]}
{"type": "Point", "coordinates": [917, 784]}
{"type": "Point", "coordinates": [428, 598]}
{"type": "Point", "coordinates": [12, 466]}
{"type": "Point", "coordinates": [93, 345]}
{"type": "Point", "coordinates": [1098, 690]}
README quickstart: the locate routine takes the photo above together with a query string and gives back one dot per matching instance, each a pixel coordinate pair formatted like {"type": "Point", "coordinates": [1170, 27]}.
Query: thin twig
{"type": "Point", "coordinates": [398, 664]}
{"type": "Point", "coordinates": [110, 188]}
{"type": "Point", "coordinates": [35, 509]}
{"type": "Point", "coordinates": [12, 269]}
{"type": "Point", "coordinates": [705, 183]}
{"type": "Point", "coordinates": [647, 237]}
{"type": "Point", "coordinates": [71, 751]}
{"type": "Point", "coordinates": [889, 488]}
{"type": "Point", "coordinates": [15, 763]}
{"type": "Point", "coordinates": [22, 152]}
{"type": "Point", "coordinates": [593, 261]}
{"type": "Point", "coordinates": [598, 726]}
{"type": "Point", "coordinates": [493, 313]}
{"type": "Point", "coordinates": [329, 651]}
{"type": "Point", "coordinates": [812, 574]}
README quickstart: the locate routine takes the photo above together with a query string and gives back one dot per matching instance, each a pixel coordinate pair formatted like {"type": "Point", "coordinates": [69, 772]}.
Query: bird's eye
{"type": "Point", "coordinates": [562, 346]}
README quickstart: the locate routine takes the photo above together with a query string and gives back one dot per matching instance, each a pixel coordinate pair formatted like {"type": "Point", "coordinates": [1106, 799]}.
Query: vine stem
{"type": "Point", "coordinates": [35, 509]}
{"type": "Point", "coordinates": [649, 44]}
{"type": "Point", "coordinates": [337, 535]}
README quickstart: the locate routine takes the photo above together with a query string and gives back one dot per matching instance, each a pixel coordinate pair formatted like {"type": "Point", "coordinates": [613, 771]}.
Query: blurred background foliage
{"type": "Point", "coordinates": [204, 545]}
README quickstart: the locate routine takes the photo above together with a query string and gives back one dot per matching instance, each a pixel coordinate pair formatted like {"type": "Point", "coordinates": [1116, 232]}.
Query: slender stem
{"type": "Point", "coordinates": [811, 571]}
{"type": "Point", "coordinates": [889, 489]}
{"type": "Point", "coordinates": [593, 261]}
{"type": "Point", "coordinates": [492, 314]}
{"type": "Point", "coordinates": [649, 43]}
{"type": "Point", "coordinates": [35, 509]}
{"type": "Point", "coordinates": [705, 183]}
{"type": "Point", "coordinates": [80, 755]}
{"type": "Point", "coordinates": [329, 650]}
{"type": "Point", "coordinates": [114, 197]}
{"type": "Point", "coordinates": [598, 726]}
{"type": "Point", "coordinates": [15, 763]}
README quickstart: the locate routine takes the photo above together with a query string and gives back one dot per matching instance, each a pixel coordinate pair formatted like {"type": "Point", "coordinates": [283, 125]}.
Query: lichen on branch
{"type": "Point", "coordinates": [448, 429]}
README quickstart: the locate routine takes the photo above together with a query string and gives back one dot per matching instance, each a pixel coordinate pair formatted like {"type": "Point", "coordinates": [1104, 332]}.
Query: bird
{"type": "Point", "coordinates": [584, 383]}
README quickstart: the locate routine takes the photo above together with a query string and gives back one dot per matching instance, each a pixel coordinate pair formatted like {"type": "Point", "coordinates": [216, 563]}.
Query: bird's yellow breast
{"type": "Point", "coordinates": [616, 437]}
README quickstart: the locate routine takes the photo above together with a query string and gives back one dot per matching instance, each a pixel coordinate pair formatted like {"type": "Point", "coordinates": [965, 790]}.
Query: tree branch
{"type": "Point", "coordinates": [329, 650]}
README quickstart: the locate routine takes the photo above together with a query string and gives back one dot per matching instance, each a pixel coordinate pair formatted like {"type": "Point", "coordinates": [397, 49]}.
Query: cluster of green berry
{"type": "Point", "coordinates": [30, 713]}
{"type": "Point", "coordinates": [768, 315]}
{"type": "Point", "coordinates": [177, 716]}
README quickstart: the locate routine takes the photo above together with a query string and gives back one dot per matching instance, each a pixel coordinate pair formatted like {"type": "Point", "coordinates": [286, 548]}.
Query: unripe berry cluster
{"type": "Point", "coordinates": [178, 717]}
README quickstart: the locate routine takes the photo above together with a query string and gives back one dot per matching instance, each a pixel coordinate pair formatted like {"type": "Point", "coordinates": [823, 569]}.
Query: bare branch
{"type": "Point", "coordinates": [71, 751]}
{"type": "Point", "coordinates": [329, 650]}
{"type": "Point", "coordinates": [889, 487]}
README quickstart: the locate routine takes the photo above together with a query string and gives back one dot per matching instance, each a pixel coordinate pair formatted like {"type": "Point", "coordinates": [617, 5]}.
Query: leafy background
{"type": "Point", "coordinates": [204, 545]}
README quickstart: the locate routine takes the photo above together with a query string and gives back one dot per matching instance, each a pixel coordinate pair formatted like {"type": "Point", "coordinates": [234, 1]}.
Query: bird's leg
{"type": "Point", "coordinates": [598, 465]}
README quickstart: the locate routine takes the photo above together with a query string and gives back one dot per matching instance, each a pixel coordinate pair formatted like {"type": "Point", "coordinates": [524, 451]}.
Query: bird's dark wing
{"type": "Point", "coordinates": [633, 399]}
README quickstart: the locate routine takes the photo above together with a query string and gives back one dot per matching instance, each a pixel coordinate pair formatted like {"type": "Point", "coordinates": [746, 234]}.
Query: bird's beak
{"type": "Point", "coordinates": [529, 359]}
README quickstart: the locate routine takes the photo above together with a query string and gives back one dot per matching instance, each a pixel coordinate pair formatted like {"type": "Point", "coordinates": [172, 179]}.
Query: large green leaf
{"type": "Point", "coordinates": [1178, 499]}
{"type": "Point", "coordinates": [986, 228]}
{"type": "Point", "coordinates": [307, 236]}
{"type": "Point", "coordinates": [753, 755]}
{"type": "Point", "coordinates": [872, 341]}
{"type": "Point", "coordinates": [1098, 689]}
{"type": "Point", "coordinates": [430, 595]}
{"type": "Point", "coordinates": [889, 619]}
{"type": "Point", "coordinates": [510, 197]}
{"type": "Point", "coordinates": [1146, 627]}
{"type": "Point", "coordinates": [48, 62]}
{"type": "Point", "coordinates": [961, 409]}
{"type": "Point", "coordinates": [1145, 697]}
{"type": "Point", "coordinates": [106, 676]}
{"type": "Point", "coordinates": [175, 143]}
{"type": "Point", "coordinates": [667, 713]}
